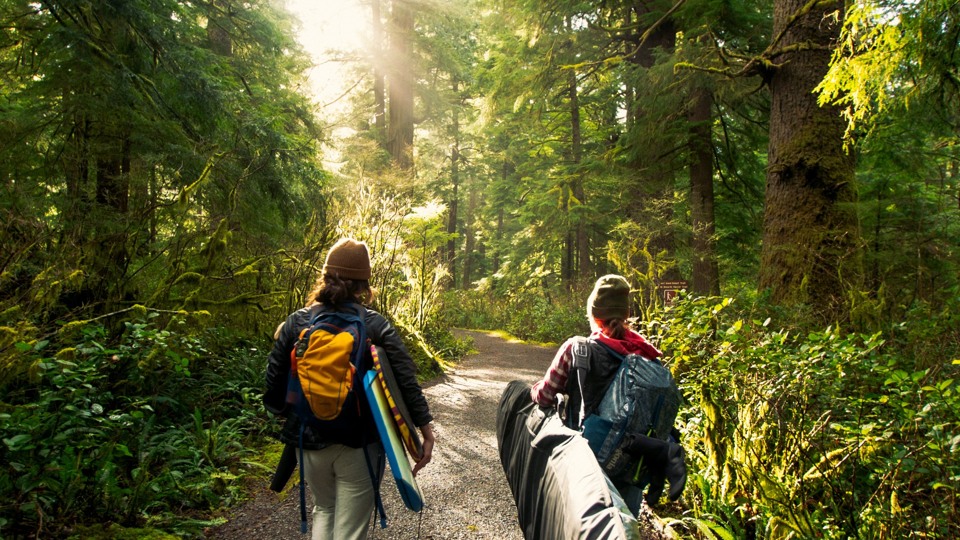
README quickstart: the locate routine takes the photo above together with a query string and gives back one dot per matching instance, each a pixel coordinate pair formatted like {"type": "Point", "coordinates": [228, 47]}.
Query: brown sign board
{"type": "Point", "coordinates": [669, 290]}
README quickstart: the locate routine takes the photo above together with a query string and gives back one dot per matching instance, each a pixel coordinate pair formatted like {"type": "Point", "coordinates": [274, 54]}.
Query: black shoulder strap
{"type": "Point", "coordinates": [593, 389]}
{"type": "Point", "coordinates": [580, 366]}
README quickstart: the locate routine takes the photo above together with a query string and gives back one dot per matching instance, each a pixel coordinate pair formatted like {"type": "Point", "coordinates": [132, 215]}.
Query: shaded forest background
{"type": "Point", "coordinates": [165, 204]}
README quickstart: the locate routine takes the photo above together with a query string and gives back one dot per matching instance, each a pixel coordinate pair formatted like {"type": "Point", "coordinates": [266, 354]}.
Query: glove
{"type": "Point", "coordinates": [664, 460]}
{"type": "Point", "coordinates": [655, 488]}
{"type": "Point", "coordinates": [653, 451]}
{"type": "Point", "coordinates": [676, 470]}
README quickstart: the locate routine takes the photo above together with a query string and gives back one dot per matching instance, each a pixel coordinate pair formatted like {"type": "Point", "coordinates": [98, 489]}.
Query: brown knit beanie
{"type": "Point", "coordinates": [348, 259]}
{"type": "Point", "coordinates": [610, 298]}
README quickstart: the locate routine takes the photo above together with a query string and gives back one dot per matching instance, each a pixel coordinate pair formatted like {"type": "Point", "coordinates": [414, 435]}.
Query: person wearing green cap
{"type": "Point", "coordinates": [608, 310]}
{"type": "Point", "coordinates": [335, 466]}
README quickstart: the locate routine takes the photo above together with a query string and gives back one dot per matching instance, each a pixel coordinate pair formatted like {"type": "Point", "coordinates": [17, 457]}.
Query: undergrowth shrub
{"type": "Point", "coordinates": [799, 433]}
{"type": "Point", "coordinates": [545, 317]}
{"type": "Point", "coordinates": [143, 431]}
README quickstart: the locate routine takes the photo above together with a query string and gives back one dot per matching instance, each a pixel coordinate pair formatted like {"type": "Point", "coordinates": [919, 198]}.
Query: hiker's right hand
{"type": "Point", "coordinates": [428, 440]}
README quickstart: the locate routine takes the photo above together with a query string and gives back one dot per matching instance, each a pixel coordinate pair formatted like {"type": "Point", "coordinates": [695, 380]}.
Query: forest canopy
{"type": "Point", "coordinates": [794, 167]}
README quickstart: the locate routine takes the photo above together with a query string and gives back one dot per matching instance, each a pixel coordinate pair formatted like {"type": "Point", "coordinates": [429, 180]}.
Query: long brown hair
{"type": "Point", "coordinates": [615, 327]}
{"type": "Point", "coordinates": [333, 291]}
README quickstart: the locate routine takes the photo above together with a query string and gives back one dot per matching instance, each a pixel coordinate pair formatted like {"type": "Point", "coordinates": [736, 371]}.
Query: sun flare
{"type": "Point", "coordinates": [328, 27]}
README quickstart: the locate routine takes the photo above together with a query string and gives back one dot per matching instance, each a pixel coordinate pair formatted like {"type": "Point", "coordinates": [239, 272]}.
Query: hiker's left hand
{"type": "Point", "coordinates": [428, 440]}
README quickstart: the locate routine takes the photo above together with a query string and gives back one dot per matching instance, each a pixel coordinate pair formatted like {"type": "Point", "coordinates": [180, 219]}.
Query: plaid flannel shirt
{"type": "Point", "coordinates": [544, 393]}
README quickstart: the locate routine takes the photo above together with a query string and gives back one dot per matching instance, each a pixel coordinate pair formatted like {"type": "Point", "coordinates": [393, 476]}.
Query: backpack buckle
{"type": "Point", "coordinates": [581, 355]}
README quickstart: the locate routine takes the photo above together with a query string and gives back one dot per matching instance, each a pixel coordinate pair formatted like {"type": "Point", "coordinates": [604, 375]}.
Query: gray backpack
{"type": "Point", "coordinates": [642, 398]}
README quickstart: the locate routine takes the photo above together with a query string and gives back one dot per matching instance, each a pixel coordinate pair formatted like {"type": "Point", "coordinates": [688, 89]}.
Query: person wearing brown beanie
{"type": "Point", "coordinates": [608, 310]}
{"type": "Point", "coordinates": [335, 466]}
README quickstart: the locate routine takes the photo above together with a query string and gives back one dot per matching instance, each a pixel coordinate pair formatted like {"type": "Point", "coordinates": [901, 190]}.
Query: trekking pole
{"type": "Point", "coordinates": [636, 473]}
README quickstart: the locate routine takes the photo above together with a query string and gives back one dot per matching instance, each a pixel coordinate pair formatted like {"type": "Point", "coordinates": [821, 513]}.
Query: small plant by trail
{"type": "Point", "coordinates": [143, 432]}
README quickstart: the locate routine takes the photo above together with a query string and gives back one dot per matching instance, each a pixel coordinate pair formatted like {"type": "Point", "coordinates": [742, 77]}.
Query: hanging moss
{"type": "Point", "coordinates": [216, 246]}
{"type": "Point", "coordinates": [72, 328]}
{"type": "Point", "coordinates": [69, 353]}
{"type": "Point", "coordinates": [8, 336]}
{"type": "Point", "coordinates": [189, 278]}
{"type": "Point", "coordinates": [153, 361]}
{"type": "Point", "coordinates": [11, 313]}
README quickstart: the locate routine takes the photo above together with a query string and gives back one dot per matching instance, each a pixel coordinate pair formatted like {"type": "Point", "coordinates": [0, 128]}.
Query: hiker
{"type": "Point", "coordinates": [611, 339]}
{"type": "Point", "coordinates": [336, 465]}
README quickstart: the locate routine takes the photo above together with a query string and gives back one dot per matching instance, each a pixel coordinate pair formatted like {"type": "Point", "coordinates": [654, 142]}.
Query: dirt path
{"type": "Point", "coordinates": [465, 491]}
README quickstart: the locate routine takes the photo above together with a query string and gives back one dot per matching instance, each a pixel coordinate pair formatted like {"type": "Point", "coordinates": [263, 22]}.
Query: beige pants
{"type": "Point", "coordinates": [342, 491]}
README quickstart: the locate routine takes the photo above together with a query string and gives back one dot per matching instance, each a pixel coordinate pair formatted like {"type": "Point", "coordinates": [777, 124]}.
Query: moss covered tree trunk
{"type": "Point", "coordinates": [808, 231]}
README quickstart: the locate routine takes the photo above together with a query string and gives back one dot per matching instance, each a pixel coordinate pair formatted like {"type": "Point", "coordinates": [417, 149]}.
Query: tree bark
{"type": "Point", "coordinates": [379, 84]}
{"type": "Point", "coordinates": [453, 204]}
{"type": "Point", "coordinates": [576, 151]}
{"type": "Point", "coordinates": [470, 237]}
{"type": "Point", "coordinates": [218, 28]}
{"type": "Point", "coordinates": [655, 177]}
{"type": "Point", "coordinates": [400, 128]}
{"type": "Point", "coordinates": [706, 274]}
{"type": "Point", "coordinates": [808, 230]}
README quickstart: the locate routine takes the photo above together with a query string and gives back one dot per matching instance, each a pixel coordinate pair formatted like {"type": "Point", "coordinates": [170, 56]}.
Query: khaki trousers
{"type": "Point", "coordinates": [342, 490]}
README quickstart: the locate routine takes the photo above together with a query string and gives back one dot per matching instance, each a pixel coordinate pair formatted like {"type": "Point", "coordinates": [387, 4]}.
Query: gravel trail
{"type": "Point", "coordinates": [465, 491]}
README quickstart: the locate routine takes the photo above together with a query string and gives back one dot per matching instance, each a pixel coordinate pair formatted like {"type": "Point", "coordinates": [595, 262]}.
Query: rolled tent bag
{"type": "Point", "coordinates": [559, 488]}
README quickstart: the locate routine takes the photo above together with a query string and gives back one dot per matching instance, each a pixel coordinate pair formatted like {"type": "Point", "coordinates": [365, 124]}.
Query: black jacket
{"type": "Point", "coordinates": [382, 334]}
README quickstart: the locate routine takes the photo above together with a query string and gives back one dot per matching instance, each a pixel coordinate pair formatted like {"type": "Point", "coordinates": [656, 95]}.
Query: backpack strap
{"type": "Point", "coordinates": [375, 479]}
{"type": "Point", "coordinates": [303, 494]}
{"type": "Point", "coordinates": [579, 367]}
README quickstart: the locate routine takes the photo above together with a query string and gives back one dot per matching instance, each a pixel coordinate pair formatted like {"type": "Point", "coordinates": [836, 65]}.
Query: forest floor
{"type": "Point", "coordinates": [465, 491]}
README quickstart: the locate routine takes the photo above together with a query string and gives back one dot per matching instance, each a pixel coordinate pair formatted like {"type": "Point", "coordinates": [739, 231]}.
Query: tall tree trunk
{"type": "Point", "coordinates": [113, 181]}
{"type": "Point", "coordinates": [400, 128]}
{"type": "Point", "coordinates": [808, 231]}
{"type": "Point", "coordinates": [706, 279]}
{"type": "Point", "coordinates": [109, 256]}
{"type": "Point", "coordinates": [470, 237]}
{"type": "Point", "coordinates": [655, 175]}
{"type": "Point", "coordinates": [499, 238]}
{"type": "Point", "coordinates": [76, 167]}
{"type": "Point", "coordinates": [576, 152]}
{"type": "Point", "coordinates": [218, 28]}
{"type": "Point", "coordinates": [379, 84]}
{"type": "Point", "coordinates": [453, 203]}
{"type": "Point", "coordinates": [629, 100]}
{"type": "Point", "coordinates": [506, 169]}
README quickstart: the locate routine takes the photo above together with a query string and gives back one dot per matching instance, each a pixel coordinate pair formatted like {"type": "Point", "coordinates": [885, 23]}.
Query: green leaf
{"type": "Point", "coordinates": [17, 441]}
